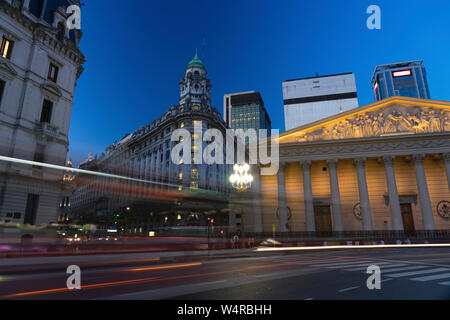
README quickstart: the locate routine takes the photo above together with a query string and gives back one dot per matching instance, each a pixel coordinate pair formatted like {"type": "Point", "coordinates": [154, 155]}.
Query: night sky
{"type": "Point", "coordinates": [136, 54]}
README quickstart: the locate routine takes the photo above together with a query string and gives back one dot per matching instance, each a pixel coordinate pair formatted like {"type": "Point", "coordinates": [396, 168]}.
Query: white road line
{"type": "Point", "coordinates": [413, 273]}
{"type": "Point", "coordinates": [308, 299]}
{"type": "Point", "coordinates": [386, 280]}
{"type": "Point", "coordinates": [382, 268]}
{"type": "Point", "coordinates": [352, 265]}
{"type": "Point", "coordinates": [447, 283]}
{"type": "Point", "coordinates": [435, 277]}
{"type": "Point", "coordinates": [336, 263]}
{"type": "Point", "coordinates": [348, 289]}
{"type": "Point", "coordinates": [211, 282]}
{"type": "Point", "coordinates": [403, 269]}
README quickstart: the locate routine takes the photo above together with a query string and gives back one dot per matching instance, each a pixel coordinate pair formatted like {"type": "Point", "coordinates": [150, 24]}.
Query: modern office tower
{"type": "Point", "coordinates": [245, 110]}
{"type": "Point", "coordinates": [40, 63]}
{"type": "Point", "coordinates": [407, 79]}
{"type": "Point", "coordinates": [307, 100]}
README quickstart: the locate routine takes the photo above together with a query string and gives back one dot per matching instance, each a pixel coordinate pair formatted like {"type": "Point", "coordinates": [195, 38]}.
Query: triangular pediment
{"type": "Point", "coordinates": [390, 117]}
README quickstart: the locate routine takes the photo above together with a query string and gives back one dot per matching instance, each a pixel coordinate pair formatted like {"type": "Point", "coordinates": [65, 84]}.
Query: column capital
{"type": "Point", "coordinates": [332, 163]}
{"type": "Point", "coordinates": [389, 160]}
{"type": "Point", "coordinates": [359, 162]}
{"type": "Point", "coordinates": [306, 164]}
{"type": "Point", "coordinates": [418, 158]}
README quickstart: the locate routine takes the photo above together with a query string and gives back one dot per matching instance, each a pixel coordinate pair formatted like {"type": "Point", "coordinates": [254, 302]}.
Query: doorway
{"type": "Point", "coordinates": [322, 218]}
{"type": "Point", "coordinates": [407, 216]}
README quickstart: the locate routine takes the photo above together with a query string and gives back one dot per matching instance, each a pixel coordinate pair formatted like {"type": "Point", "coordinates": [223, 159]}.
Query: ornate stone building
{"type": "Point", "coordinates": [40, 62]}
{"type": "Point", "coordinates": [383, 166]}
{"type": "Point", "coordinates": [159, 195]}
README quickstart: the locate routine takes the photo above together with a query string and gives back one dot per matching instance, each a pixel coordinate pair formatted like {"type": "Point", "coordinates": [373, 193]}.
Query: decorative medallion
{"type": "Point", "coordinates": [357, 211]}
{"type": "Point", "coordinates": [443, 209]}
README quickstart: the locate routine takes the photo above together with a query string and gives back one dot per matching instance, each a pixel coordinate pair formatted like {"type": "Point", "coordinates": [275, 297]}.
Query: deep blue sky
{"type": "Point", "coordinates": [136, 53]}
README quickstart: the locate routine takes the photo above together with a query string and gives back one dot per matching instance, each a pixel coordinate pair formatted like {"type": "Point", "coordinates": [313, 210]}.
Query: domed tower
{"type": "Point", "coordinates": [195, 88]}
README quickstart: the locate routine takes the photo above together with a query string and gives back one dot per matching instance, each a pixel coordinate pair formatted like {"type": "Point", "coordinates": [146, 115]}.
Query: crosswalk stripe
{"type": "Point", "coordinates": [352, 265]}
{"type": "Point", "coordinates": [335, 263]}
{"type": "Point", "coordinates": [413, 273]}
{"type": "Point", "coordinates": [339, 265]}
{"type": "Point", "coordinates": [402, 269]}
{"type": "Point", "coordinates": [435, 277]}
{"type": "Point", "coordinates": [382, 268]}
{"type": "Point", "coordinates": [446, 283]}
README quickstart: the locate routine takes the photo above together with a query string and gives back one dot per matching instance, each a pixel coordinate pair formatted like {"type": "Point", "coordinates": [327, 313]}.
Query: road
{"type": "Point", "coordinates": [406, 273]}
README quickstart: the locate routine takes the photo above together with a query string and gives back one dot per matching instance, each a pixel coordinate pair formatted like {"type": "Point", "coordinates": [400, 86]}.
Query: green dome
{"type": "Point", "coordinates": [196, 62]}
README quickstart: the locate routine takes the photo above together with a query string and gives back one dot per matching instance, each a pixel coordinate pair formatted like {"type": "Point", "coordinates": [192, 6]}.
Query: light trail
{"type": "Point", "coordinates": [435, 245]}
{"type": "Point", "coordinates": [167, 267]}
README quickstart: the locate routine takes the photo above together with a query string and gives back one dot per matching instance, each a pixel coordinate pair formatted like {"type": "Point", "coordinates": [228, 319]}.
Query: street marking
{"type": "Point", "coordinates": [348, 289]}
{"type": "Point", "coordinates": [413, 273]}
{"type": "Point", "coordinates": [352, 265]}
{"type": "Point", "coordinates": [352, 261]}
{"type": "Point", "coordinates": [386, 280]}
{"type": "Point", "coordinates": [435, 277]}
{"type": "Point", "coordinates": [309, 299]}
{"type": "Point", "coordinates": [382, 268]}
{"type": "Point", "coordinates": [211, 282]}
{"type": "Point", "coordinates": [363, 266]}
{"type": "Point", "coordinates": [447, 283]}
{"type": "Point", "coordinates": [404, 269]}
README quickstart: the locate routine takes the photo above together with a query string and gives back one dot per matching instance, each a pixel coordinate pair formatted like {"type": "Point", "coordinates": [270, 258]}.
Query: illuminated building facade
{"type": "Point", "coordinates": [159, 198]}
{"type": "Point", "coordinates": [406, 79]}
{"type": "Point", "coordinates": [381, 167]}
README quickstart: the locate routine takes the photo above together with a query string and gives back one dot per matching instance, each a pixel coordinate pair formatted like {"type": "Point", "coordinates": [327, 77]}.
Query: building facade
{"type": "Point", "coordinates": [406, 79]}
{"type": "Point", "coordinates": [160, 192]}
{"type": "Point", "coordinates": [310, 99]}
{"type": "Point", "coordinates": [384, 166]}
{"type": "Point", "coordinates": [245, 111]}
{"type": "Point", "coordinates": [40, 62]}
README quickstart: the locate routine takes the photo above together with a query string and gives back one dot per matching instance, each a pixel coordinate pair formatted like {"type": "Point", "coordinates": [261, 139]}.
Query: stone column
{"type": "Point", "coordinates": [446, 158]}
{"type": "Point", "coordinates": [394, 202]}
{"type": "Point", "coordinates": [257, 207]}
{"type": "Point", "coordinates": [282, 201]}
{"type": "Point", "coordinates": [335, 196]}
{"type": "Point", "coordinates": [360, 164]}
{"type": "Point", "coordinates": [422, 186]}
{"type": "Point", "coordinates": [308, 196]}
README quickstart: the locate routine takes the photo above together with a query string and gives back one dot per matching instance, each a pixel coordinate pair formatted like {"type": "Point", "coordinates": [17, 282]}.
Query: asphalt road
{"type": "Point", "coordinates": [406, 273]}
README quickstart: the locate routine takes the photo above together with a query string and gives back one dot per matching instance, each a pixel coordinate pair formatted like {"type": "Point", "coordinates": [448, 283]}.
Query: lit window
{"type": "Point", "coordinates": [181, 124]}
{"type": "Point", "coordinates": [53, 73]}
{"type": "Point", "coordinates": [194, 173]}
{"type": "Point", "coordinates": [195, 136]}
{"type": "Point", "coordinates": [196, 108]}
{"type": "Point", "coordinates": [180, 175]}
{"type": "Point", "coordinates": [197, 123]}
{"type": "Point", "coordinates": [6, 48]}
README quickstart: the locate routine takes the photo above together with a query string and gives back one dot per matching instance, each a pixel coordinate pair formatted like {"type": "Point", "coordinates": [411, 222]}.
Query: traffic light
{"type": "Point", "coordinates": [212, 221]}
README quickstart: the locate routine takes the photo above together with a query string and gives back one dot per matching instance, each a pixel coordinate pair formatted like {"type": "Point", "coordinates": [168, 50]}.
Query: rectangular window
{"type": "Point", "coordinates": [6, 48]}
{"type": "Point", "coordinates": [2, 89]}
{"type": "Point", "coordinates": [31, 209]}
{"type": "Point", "coordinates": [53, 72]}
{"type": "Point", "coordinates": [46, 114]}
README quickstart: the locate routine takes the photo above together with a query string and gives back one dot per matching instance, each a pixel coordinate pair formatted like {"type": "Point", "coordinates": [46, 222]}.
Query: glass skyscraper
{"type": "Point", "coordinates": [407, 79]}
{"type": "Point", "coordinates": [246, 111]}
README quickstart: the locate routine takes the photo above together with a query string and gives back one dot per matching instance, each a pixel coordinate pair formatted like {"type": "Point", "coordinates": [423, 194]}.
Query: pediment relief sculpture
{"type": "Point", "coordinates": [396, 120]}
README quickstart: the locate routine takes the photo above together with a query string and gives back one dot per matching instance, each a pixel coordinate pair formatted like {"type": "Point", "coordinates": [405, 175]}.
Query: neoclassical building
{"type": "Point", "coordinates": [383, 166]}
{"type": "Point", "coordinates": [164, 194]}
{"type": "Point", "coordinates": [40, 64]}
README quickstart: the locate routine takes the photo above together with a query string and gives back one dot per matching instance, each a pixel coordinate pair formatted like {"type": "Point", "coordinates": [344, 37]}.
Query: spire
{"type": "Point", "coordinates": [196, 62]}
